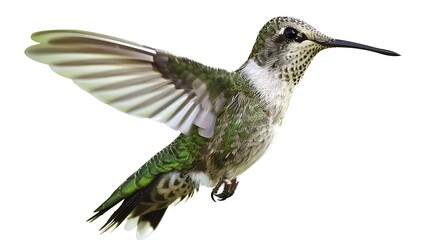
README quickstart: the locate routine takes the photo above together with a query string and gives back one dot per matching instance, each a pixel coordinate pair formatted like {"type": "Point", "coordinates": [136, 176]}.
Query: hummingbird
{"type": "Point", "coordinates": [226, 119]}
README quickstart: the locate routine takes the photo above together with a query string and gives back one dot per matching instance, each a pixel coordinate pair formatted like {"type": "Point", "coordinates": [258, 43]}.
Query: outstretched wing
{"type": "Point", "coordinates": [136, 79]}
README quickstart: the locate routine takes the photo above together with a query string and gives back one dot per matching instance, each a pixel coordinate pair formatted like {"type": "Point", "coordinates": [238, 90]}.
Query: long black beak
{"type": "Point", "coordinates": [347, 44]}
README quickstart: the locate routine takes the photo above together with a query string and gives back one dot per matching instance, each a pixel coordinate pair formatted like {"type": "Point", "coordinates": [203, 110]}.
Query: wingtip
{"type": "Point", "coordinates": [27, 52]}
{"type": "Point", "coordinates": [45, 35]}
{"type": "Point", "coordinates": [37, 36]}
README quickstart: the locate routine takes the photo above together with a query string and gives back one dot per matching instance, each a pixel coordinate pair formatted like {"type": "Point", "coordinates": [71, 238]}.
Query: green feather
{"type": "Point", "coordinates": [179, 155]}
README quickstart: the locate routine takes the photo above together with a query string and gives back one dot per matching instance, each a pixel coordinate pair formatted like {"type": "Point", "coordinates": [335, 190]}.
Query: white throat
{"type": "Point", "coordinates": [274, 92]}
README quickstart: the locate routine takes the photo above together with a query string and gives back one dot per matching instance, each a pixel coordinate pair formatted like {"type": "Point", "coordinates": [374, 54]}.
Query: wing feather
{"type": "Point", "coordinates": [136, 79]}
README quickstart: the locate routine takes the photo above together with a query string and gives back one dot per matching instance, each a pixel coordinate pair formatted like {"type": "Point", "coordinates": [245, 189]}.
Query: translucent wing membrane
{"type": "Point", "coordinates": [135, 79]}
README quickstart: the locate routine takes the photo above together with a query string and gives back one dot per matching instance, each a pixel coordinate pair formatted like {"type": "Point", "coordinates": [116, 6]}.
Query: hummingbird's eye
{"type": "Point", "coordinates": [290, 33]}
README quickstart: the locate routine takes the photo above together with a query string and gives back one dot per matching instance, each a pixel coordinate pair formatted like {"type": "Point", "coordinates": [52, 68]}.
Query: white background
{"type": "Point", "coordinates": [350, 161]}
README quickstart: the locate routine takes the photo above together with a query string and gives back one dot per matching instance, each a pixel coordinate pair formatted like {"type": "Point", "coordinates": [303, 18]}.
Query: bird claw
{"type": "Point", "coordinates": [229, 187]}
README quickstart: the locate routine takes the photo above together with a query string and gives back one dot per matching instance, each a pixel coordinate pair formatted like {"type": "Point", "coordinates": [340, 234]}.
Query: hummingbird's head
{"type": "Point", "coordinates": [287, 45]}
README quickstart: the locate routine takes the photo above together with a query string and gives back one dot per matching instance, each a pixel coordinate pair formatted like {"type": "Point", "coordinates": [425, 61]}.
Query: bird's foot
{"type": "Point", "coordinates": [229, 187]}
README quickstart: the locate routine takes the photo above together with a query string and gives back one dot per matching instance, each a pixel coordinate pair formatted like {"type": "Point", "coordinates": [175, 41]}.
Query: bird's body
{"type": "Point", "coordinates": [227, 119]}
{"type": "Point", "coordinates": [243, 131]}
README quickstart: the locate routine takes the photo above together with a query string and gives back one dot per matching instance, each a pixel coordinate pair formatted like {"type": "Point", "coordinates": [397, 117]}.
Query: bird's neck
{"type": "Point", "coordinates": [273, 91]}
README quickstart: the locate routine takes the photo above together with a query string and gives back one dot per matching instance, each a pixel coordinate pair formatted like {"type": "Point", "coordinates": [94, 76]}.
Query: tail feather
{"type": "Point", "coordinates": [146, 207]}
{"type": "Point", "coordinates": [154, 218]}
{"type": "Point", "coordinates": [125, 209]}
{"type": "Point", "coordinates": [147, 223]}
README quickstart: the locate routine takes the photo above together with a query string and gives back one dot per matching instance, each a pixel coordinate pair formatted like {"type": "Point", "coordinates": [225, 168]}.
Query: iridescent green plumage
{"type": "Point", "coordinates": [227, 119]}
{"type": "Point", "coordinates": [179, 156]}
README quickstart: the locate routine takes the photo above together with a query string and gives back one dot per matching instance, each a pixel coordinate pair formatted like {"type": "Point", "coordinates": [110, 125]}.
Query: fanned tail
{"type": "Point", "coordinates": [125, 209]}
{"type": "Point", "coordinates": [145, 208]}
